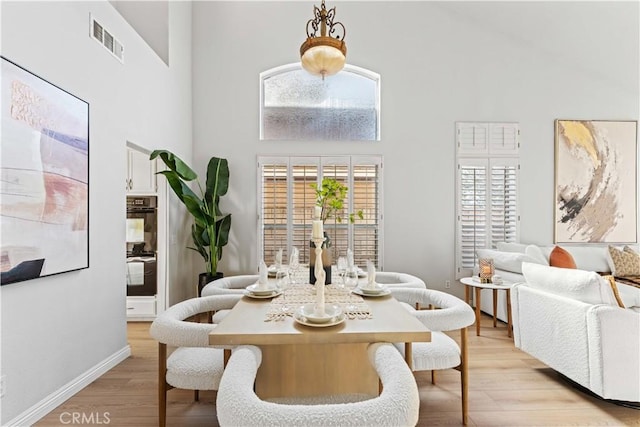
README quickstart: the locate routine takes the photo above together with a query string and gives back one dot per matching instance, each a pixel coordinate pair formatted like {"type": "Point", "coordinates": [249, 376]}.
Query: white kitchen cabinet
{"type": "Point", "coordinates": [141, 308]}
{"type": "Point", "coordinates": [141, 173]}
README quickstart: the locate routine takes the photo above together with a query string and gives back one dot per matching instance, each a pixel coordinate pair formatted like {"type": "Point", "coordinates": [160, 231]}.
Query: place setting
{"type": "Point", "coordinates": [319, 316]}
{"type": "Point", "coordinates": [263, 288]}
{"type": "Point", "coordinates": [370, 288]}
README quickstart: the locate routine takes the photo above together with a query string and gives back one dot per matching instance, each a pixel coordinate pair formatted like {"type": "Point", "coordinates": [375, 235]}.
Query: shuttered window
{"type": "Point", "coordinates": [487, 189]}
{"type": "Point", "coordinates": [287, 199]}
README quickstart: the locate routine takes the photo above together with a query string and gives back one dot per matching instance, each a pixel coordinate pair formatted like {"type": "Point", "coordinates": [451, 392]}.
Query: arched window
{"type": "Point", "coordinates": [294, 105]}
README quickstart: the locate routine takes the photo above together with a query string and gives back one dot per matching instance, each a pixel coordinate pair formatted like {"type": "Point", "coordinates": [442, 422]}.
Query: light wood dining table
{"type": "Point", "coordinates": [302, 361]}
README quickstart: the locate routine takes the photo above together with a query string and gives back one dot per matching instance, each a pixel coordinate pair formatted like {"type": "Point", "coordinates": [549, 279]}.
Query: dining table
{"type": "Point", "coordinates": [303, 359]}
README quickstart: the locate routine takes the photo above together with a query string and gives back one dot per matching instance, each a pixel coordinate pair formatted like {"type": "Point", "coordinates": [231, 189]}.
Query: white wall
{"type": "Point", "coordinates": [57, 329]}
{"type": "Point", "coordinates": [440, 62]}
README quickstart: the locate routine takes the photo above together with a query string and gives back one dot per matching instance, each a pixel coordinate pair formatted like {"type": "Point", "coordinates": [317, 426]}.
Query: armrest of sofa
{"type": "Point", "coordinates": [614, 352]}
{"type": "Point", "coordinates": [553, 329]}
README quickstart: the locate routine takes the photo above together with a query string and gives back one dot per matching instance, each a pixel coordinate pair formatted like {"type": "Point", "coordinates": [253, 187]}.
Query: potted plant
{"type": "Point", "coordinates": [330, 196]}
{"type": "Point", "coordinates": [210, 228]}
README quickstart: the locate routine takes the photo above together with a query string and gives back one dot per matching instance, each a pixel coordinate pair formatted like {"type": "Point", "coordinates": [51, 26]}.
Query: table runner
{"type": "Point", "coordinates": [353, 306]}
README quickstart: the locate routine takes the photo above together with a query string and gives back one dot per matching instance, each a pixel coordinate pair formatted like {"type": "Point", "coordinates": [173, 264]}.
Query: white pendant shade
{"type": "Point", "coordinates": [323, 60]}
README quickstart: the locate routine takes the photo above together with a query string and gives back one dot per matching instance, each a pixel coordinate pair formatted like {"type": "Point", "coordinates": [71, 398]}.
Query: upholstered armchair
{"type": "Point", "coordinates": [397, 405]}
{"type": "Point", "coordinates": [193, 365]}
{"type": "Point", "coordinates": [442, 352]}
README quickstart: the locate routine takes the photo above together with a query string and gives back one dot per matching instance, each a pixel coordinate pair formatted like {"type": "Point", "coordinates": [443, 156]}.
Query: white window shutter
{"type": "Point", "coordinates": [472, 221]}
{"type": "Point", "coordinates": [472, 138]}
{"type": "Point", "coordinates": [504, 138]}
{"type": "Point", "coordinates": [286, 202]}
{"type": "Point", "coordinates": [487, 189]}
{"type": "Point", "coordinates": [504, 210]}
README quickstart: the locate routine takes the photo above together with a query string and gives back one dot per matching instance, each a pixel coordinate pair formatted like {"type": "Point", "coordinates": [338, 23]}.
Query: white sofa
{"type": "Point", "coordinates": [569, 320]}
{"type": "Point", "coordinates": [508, 259]}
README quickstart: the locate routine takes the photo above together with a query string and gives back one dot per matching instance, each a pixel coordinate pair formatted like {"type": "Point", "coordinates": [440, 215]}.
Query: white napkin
{"type": "Point", "coordinates": [371, 274]}
{"type": "Point", "coordinates": [263, 274]}
{"type": "Point", "coordinates": [279, 258]}
{"type": "Point", "coordinates": [349, 258]}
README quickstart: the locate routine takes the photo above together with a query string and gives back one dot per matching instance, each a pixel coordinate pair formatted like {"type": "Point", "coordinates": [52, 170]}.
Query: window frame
{"type": "Point", "coordinates": [320, 162]}
{"type": "Point", "coordinates": [490, 152]}
{"type": "Point", "coordinates": [348, 68]}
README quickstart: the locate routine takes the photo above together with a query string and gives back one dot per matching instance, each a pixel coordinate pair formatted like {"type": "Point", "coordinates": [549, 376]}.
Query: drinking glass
{"type": "Point", "coordinates": [351, 277]}
{"type": "Point", "coordinates": [342, 269]}
{"type": "Point", "coordinates": [294, 263]}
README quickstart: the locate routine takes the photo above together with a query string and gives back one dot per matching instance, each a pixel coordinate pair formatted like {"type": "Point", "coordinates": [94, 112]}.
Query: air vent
{"type": "Point", "coordinates": [106, 39]}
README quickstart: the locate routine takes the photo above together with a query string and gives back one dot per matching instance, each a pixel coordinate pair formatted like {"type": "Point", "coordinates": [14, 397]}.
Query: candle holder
{"type": "Point", "coordinates": [327, 260]}
{"type": "Point", "coordinates": [486, 269]}
{"type": "Point", "coordinates": [320, 276]}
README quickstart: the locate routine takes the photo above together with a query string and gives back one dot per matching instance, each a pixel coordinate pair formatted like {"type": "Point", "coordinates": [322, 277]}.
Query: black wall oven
{"type": "Point", "coordinates": [142, 235]}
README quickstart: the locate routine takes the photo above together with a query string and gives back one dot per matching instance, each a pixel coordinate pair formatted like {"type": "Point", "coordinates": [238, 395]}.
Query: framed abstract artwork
{"type": "Point", "coordinates": [595, 181]}
{"type": "Point", "coordinates": [44, 202]}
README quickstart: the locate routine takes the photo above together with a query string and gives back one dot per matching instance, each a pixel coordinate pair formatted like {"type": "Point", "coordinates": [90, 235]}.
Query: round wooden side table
{"type": "Point", "coordinates": [470, 282]}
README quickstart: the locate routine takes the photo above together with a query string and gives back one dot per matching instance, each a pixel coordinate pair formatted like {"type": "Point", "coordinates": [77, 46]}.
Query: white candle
{"type": "Point", "coordinates": [317, 231]}
{"type": "Point", "coordinates": [317, 212]}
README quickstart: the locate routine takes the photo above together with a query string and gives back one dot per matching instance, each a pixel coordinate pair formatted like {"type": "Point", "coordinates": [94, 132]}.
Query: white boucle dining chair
{"type": "Point", "coordinates": [442, 352]}
{"type": "Point", "coordinates": [193, 365]}
{"type": "Point", "coordinates": [399, 280]}
{"type": "Point", "coordinates": [231, 285]}
{"type": "Point", "coordinates": [397, 405]}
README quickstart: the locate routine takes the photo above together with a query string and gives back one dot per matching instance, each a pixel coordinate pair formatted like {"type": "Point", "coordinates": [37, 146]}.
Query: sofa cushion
{"type": "Point", "coordinates": [559, 257]}
{"type": "Point", "coordinates": [623, 263]}
{"type": "Point", "coordinates": [511, 247]}
{"type": "Point", "coordinates": [536, 253]}
{"type": "Point", "coordinates": [581, 285]}
{"type": "Point", "coordinates": [507, 261]}
{"type": "Point", "coordinates": [590, 257]}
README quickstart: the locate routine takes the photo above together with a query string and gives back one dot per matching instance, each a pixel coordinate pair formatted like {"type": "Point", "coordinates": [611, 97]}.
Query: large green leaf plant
{"type": "Point", "coordinates": [210, 229]}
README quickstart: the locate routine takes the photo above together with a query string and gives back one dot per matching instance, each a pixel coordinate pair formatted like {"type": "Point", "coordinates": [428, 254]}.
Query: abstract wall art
{"type": "Point", "coordinates": [44, 190]}
{"type": "Point", "coordinates": [595, 181]}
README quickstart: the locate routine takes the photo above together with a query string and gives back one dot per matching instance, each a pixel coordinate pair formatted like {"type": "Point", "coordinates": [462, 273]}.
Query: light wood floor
{"type": "Point", "coordinates": [506, 388]}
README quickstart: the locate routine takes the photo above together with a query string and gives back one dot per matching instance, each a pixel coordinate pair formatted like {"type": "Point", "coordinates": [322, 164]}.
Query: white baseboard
{"type": "Point", "coordinates": [55, 399]}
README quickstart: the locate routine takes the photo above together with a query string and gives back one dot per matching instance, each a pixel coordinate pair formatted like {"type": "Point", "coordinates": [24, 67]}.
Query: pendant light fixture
{"type": "Point", "coordinates": [324, 52]}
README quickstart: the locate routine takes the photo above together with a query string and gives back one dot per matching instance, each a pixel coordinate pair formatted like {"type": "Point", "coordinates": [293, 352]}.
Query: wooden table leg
{"type": "Point", "coordinates": [477, 301]}
{"type": "Point", "coordinates": [226, 355]}
{"type": "Point", "coordinates": [408, 354]}
{"type": "Point", "coordinates": [495, 307]}
{"type": "Point", "coordinates": [467, 294]}
{"type": "Point", "coordinates": [509, 321]}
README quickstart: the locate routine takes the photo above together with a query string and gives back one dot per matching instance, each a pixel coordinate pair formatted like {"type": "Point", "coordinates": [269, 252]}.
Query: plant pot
{"type": "Point", "coordinates": [204, 278]}
{"type": "Point", "coordinates": [327, 260]}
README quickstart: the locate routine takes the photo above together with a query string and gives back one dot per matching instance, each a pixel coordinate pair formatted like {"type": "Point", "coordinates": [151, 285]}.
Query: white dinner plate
{"type": "Point", "coordinates": [331, 313]}
{"type": "Point", "coordinates": [273, 293]}
{"type": "Point", "coordinates": [299, 318]}
{"type": "Point", "coordinates": [367, 293]}
{"type": "Point", "coordinates": [254, 289]}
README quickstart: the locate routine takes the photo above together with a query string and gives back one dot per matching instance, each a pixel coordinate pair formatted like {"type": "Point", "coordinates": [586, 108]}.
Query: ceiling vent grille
{"type": "Point", "coordinates": [106, 39]}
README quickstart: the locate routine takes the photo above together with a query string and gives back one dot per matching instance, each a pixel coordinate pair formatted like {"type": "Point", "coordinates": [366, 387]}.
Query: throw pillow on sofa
{"type": "Point", "coordinates": [581, 285]}
{"type": "Point", "coordinates": [536, 253]}
{"type": "Point", "coordinates": [560, 258]}
{"type": "Point", "coordinates": [507, 261]}
{"type": "Point", "coordinates": [623, 262]}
